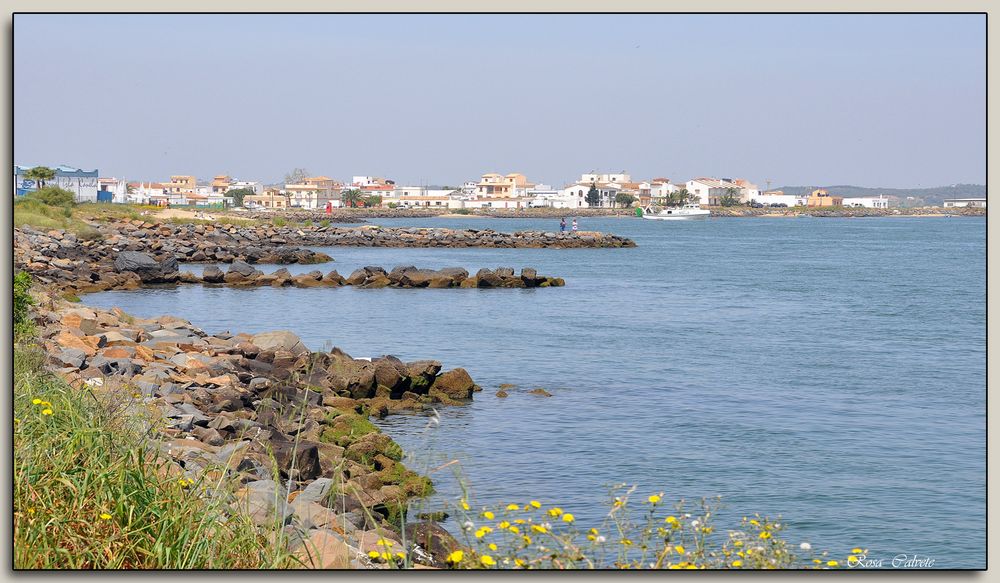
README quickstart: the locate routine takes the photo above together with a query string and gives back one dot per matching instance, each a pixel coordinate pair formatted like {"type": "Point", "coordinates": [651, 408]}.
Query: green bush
{"type": "Point", "coordinates": [278, 222]}
{"type": "Point", "coordinates": [23, 324]}
{"type": "Point", "coordinates": [88, 494]}
{"type": "Point", "coordinates": [53, 196]}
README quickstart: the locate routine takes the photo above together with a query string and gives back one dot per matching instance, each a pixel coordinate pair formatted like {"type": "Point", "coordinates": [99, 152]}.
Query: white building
{"type": "Point", "coordinates": [773, 197]}
{"type": "Point", "coordinates": [871, 202]}
{"type": "Point", "coordinates": [82, 183]}
{"type": "Point", "coordinates": [117, 187]}
{"type": "Point", "coordinates": [964, 202]}
{"type": "Point", "coordinates": [577, 193]}
{"type": "Point", "coordinates": [311, 196]}
{"type": "Point", "coordinates": [658, 191]}
{"type": "Point", "coordinates": [421, 196]}
{"type": "Point", "coordinates": [605, 178]}
{"type": "Point", "coordinates": [711, 191]}
{"type": "Point", "coordinates": [256, 187]}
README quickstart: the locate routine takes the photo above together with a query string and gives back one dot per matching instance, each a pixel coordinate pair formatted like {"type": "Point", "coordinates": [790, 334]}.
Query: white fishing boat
{"type": "Point", "coordinates": [688, 212]}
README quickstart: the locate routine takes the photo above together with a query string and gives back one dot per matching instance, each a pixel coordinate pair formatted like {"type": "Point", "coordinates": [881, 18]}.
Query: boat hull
{"type": "Point", "coordinates": [692, 217]}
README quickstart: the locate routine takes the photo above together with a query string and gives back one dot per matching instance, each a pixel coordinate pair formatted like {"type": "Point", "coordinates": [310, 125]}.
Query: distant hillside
{"type": "Point", "coordinates": [926, 196]}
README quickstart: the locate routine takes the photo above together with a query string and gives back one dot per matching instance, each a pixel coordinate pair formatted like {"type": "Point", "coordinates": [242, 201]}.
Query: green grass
{"type": "Point", "coordinates": [32, 212]}
{"type": "Point", "coordinates": [88, 495]}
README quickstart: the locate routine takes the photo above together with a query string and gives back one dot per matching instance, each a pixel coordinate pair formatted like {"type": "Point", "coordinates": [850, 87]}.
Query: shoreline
{"type": "Point", "coordinates": [362, 215]}
{"type": "Point", "coordinates": [264, 406]}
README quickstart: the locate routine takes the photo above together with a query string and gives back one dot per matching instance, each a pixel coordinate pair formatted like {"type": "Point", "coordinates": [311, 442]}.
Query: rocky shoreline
{"type": "Point", "coordinates": [266, 411]}
{"type": "Point", "coordinates": [292, 426]}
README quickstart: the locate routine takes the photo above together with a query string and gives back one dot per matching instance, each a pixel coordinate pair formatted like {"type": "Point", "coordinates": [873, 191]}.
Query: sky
{"type": "Point", "coordinates": [894, 101]}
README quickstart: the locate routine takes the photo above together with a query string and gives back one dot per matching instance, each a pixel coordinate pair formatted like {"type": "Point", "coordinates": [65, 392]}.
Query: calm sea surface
{"type": "Point", "coordinates": [831, 371]}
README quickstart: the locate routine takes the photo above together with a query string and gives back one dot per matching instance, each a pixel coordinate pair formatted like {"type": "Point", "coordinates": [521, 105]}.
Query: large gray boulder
{"type": "Point", "coordinates": [280, 340]}
{"type": "Point", "coordinates": [212, 274]}
{"type": "Point", "coordinates": [147, 268]}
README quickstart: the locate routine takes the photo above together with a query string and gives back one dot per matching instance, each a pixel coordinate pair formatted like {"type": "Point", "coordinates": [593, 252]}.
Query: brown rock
{"type": "Point", "coordinates": [456, 384]}
{"type": "Point", "coordinates": [324, 550]}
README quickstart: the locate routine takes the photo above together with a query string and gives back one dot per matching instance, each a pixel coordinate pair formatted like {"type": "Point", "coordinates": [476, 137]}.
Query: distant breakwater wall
{"type": "Point", "coordinates": [60, 260]}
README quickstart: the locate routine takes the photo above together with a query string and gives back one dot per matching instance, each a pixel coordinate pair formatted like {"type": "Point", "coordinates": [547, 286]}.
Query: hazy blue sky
{"type": "Point", "coordinates": [876, 100]}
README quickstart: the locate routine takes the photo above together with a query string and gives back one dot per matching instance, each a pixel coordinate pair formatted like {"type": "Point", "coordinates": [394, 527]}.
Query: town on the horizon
{"type": "Point", "coordinates": [491, 191]}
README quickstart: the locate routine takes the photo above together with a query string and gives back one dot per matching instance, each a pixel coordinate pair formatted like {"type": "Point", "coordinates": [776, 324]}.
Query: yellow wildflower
{"type": "Point", "coordinates": [707, 530]}
{"type": "Point", "coordinates": [487, 561]}
{"type": "Point", "coordinates": [538, 528]}
{"type": "Point", "coordinates": [526, 539]}
{"type": "Point", "coordinates": [105, 516]}
{"type": "Point", "coordinates": [627, 542]}
{"type": "Point", "coordinates": [737, 543]}
{"type": "Point", "coordinates": [737, 563]}
{"type": "Point", "coordinates": [373, 554]}
{"type": "Point", "coordinates": [519, 521]}
{"type": "Point", "coordinates": [852, 558]}
{"type": "Point", "coordinates": [456, 557]}
{"type": "Point", "coordinates": [519, 562]}
{"type": "Point", "coordinates": [513, 507]}
{"type": "Point", "coordinates": [755, 523]}
{"type": "Point", "coordinates": [568, 517]}
{"type": "Point", "coordinates": [493, 546]}
{"type": "Point", "coordinates": [831, 563]}
{"type": "Point", "coordinates": [672, 520]}
{"type": "Point", "coordinates": [503, 525]}
{"type": "Point", "coordinates": [514, 529]}
{"type": "Point", "coordinates": [46, 411]}
{"type": "Point", "coordinates": [765, 535]}
{"type": "Point", "coordinates": [856, 550]}
{"type": "Point", "coordinates": [555, 511]}
{"type": "Point", "coordinates": [679, 549]}
{"type": "Point", "coordinates": [36, 401]}
{"type": "Point", "coordinates": [465, 505]}
{"type": "Point", "coordinates": [535, 504]}
{"type": "Point", "coordinates": [654, 499]}
{"type": "Point", "coordinates": [384, 542]}
{"type": "Point", "coordinates": [488, 515]}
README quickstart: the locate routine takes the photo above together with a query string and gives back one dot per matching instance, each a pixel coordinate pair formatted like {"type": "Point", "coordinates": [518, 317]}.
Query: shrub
{"type": "Point", "coordinates": [23, 324]}
{"type": "Point", "coordinates": [324, 223]}
{"type": "Point", "coordinates": [53, 196]}
{"type": "Point", "coordinates": [89, 495]}
{"type": "Point", "coordinates": [278, 221]}
{"type": "Point", "coordinates": [530, 536]}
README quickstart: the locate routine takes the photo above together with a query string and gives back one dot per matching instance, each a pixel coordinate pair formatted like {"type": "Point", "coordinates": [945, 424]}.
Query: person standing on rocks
{"type": "Point", "coordinates": [574, 224]}
{"type": "Point", "coordinates": [562, 225]}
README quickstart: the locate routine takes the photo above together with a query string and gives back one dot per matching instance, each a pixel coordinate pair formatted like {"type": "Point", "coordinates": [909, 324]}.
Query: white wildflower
{"type": "Point", "coordinates": [805, 546]}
